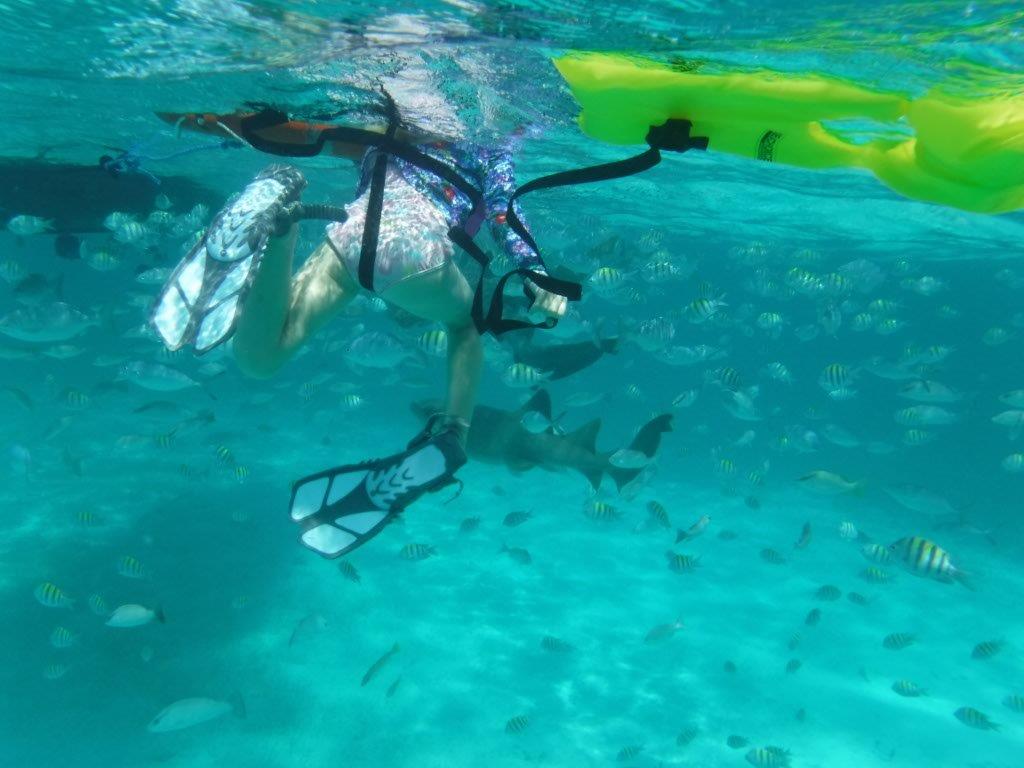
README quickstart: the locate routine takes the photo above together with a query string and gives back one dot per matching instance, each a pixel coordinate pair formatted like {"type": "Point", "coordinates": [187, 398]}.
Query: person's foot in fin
{"type": "Point", "coordinates": [202, 300]}
{"type": "Point", "coordinates": [341, 509]}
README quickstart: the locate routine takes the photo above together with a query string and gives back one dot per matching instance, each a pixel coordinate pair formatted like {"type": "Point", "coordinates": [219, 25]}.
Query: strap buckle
{"type": "Point", "coordinates": [674, 136]}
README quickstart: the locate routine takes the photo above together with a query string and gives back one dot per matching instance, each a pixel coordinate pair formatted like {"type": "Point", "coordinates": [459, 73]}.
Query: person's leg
{"type": "Point", "coordinates": [282, 312]}
{"type": "Point", "coordinates": [443, 295]}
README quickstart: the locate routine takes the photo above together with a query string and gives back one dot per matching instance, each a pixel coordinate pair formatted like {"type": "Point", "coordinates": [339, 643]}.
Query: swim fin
{"type": "Point", "coordinates": [201, 302]}
{"type": "Point", "coordinates": [341, 509]}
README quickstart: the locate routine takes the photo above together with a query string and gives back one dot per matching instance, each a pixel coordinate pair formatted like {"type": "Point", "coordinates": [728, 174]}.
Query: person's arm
{"type": "Point", "coordinates": [499, 186]}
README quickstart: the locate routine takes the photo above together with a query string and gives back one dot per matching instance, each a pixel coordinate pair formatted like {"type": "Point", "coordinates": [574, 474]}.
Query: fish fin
{"type": "Point", "coordinates": [680, 535]}
{"type": "Point", "coordinates": [609, 346]}
{"type": "Point", "coordinates": [586, 436]}
{"type": "Point", "coordinates": [623, 477]}
{"type": "Point", "coordinates": [965, 580]}
{"type": "Point", "coordinates": [648, 439]}
{"type": "Point", "coordinates": [160, 616]}
{"type": "Point", "coordinates": [647, 442]}
{"type": "Point", "coordinates": [539, 401]}
{"type": "Point", "coordinates": [594, 478]}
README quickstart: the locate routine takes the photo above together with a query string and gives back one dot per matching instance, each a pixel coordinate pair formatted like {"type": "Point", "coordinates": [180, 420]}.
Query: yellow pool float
{"type": "Point", "coordinates": [964, 153]}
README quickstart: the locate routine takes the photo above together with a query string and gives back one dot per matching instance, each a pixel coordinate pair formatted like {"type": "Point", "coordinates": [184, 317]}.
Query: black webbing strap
{"type": "Point", "coordinates": [673, 135]}
{"type": "Point", "coordinates": [347, 135]}
{"type": "Point", "coordinates": [374, 208]}
{"type": "Point", "coordinates": [492, 320]}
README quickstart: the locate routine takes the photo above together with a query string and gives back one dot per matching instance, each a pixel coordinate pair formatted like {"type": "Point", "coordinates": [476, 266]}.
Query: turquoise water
{"type": "Point", "coordinates": [193, 485]}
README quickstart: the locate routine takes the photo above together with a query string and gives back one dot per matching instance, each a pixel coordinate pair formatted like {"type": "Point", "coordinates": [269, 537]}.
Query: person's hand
{"type": "Point", "coordinates": [546, 303]}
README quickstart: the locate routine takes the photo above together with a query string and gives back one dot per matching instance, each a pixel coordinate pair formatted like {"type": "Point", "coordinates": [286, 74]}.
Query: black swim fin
{"type": "Point", "coordinates": [340, 509]}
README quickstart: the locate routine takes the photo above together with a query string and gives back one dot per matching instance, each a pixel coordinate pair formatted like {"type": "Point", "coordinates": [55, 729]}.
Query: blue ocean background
{"type": "Point", "coordinates": [95, 469]}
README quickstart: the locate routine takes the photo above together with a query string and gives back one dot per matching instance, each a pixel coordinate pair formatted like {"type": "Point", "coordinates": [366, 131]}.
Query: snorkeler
{"type": "Point", "coordinates": [416, 201]}
{"type": "Point", "coordinates": [395, 239]}
{"type": "Point", "coordinates": [130, 161]}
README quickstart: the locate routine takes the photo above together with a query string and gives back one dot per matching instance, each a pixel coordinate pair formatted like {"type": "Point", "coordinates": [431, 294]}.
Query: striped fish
{"type": "Point", "coordinates": [433, 342]}
{"type": "Point", "coordinates": [55, 671]}
{"type": "Point", "coordinates": [417, 551]}
{"type": "Point", "coordinates": [517, 724]}
{"type": "Point", "coordinates": [1015, 702]}
{"type": "Point", "coordinates": [829, 593]}
{"type": "Point", "coordinates": [768, 757]}
{"type": "Point", "coordinates": [658, 514]}
{"type": "Point", "coordinates": [131, 568]}
{"type": "Point", "coordinates": [553, 644]}
{"type": "Point", "coordinates": [987, 649]}
{"type": "Point", "coordinates": [971, 717]}
{"type": "Point", "coordinates": [897, 641]}
{"type": "Point", "coordinates": [876, 575]}
{"type": "Point", "coordinates": [908, 689]}
{"type": "Point", "coordinates": [877, 553]}
{"type": "Point", "coordinates": [629, 753]}
{"type": "Point", "coordinates": [601, 511]}
{"type": "Point", "coordinates": [62, 637]}
{"type": "Point", "coordinates": [685, 736]}
{"type": "Point", "coordinates": [52, 596]}
{"type": "Point", "coordinates": [925, 558]}
{"type": "Point", "coordinates": [701, 310]}
{"type": "Point", "coordinates": [835, 376]}
{"type": "Point", "coordinates": [682, 563]}
{"type": "Point", "coordinates": [98, 605]}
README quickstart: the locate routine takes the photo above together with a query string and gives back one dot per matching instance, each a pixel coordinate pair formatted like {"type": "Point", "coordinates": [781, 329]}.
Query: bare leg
{"type": "Point", "coordinates": [281, 313]}
{"type": "Point", "coordinates": [444, 296]}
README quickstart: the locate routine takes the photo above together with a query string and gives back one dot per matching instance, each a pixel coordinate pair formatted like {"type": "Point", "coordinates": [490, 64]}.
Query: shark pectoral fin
{"type": "Point", "coordinates": [586, 436]}
{"type": "Point", "coordinates": [540, 401]}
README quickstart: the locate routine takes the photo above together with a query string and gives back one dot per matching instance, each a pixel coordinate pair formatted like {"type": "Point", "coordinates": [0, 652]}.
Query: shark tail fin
{"type": "Point", "coordinates": [647, 442]}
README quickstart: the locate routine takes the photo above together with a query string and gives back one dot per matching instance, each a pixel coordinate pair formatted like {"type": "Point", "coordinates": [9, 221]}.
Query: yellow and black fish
{"type": "Point", "coordinates": [908, 689]}
{"type": "Point", "coordinates": [768, 757]}
{"type": "Point", "coordinates": [971, 717]}
{"type": "Point", "coordinates": [897, 641]}
{"type": "Point", "coordinates": [987, 649]}
{"type": "Point", "coordinates": [517, 724]}
{"type": "Point", "coordinates": [927, 559]}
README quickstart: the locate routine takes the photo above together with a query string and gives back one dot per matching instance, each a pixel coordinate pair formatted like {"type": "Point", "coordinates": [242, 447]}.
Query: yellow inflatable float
{"type": "Point", "coordinates": [968, 154]}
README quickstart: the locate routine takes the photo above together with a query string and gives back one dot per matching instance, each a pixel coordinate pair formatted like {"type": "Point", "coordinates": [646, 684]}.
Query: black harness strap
{"type": "Point", "coordinates": [673, 135]}
{"type": "Point", "coordinates": [374, 208]}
